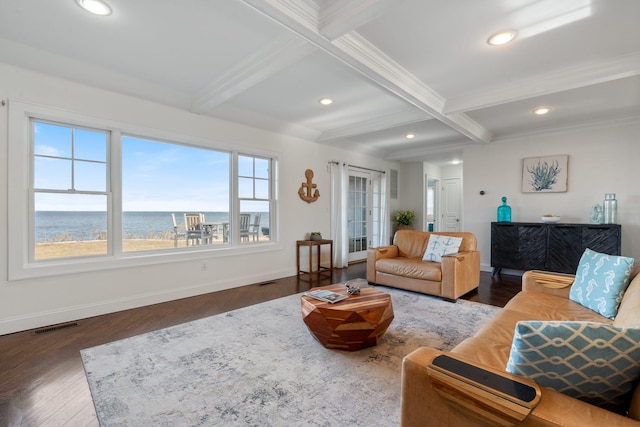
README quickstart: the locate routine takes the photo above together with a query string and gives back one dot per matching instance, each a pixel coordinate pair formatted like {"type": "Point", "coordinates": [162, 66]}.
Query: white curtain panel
{"type": "Point", "coordinates": [339, 230]}
{"type": "Point", "coordinates": [383, 231]}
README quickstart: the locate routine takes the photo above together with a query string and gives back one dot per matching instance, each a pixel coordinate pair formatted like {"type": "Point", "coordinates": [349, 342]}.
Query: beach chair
{"type": "Point", "coordinates": [244, 227]}
{"type": "Point", "coordinates": [254, 228]}
{"type": "Point", "coordinates": [195, 230]}
{"type": "Point", "coordinates": [178, 230]}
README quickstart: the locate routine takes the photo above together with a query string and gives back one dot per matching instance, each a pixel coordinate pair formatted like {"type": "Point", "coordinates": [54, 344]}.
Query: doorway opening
{"type": "Point", "coordinates": [431, 208]}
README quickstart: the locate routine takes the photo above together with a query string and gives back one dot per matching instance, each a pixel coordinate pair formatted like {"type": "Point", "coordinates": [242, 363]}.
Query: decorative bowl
{"type": "Point", "coordinates": [550, 219]}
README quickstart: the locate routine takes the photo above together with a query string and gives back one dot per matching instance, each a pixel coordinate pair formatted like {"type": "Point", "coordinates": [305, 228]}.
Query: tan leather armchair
{"type": "Point", "coordinates": [401, 266]}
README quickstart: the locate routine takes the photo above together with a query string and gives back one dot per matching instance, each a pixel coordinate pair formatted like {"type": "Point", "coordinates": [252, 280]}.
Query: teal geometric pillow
{"type": "Point", "coordinates": [440, 246]}
{"type": "Point", "coordinates": [601, 281]}
{"type": "Point", "coordinates": [594, 362]}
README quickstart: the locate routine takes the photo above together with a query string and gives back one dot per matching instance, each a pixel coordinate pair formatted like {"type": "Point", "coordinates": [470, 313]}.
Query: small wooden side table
{"type": "Point", "coordinates": [311, 244]}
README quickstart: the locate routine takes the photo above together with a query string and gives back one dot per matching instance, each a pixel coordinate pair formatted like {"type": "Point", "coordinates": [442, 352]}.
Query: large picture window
{"type": "Point", "coordinates": [164, 183]}
{"type": "Point", "coordinates": [98, 194]}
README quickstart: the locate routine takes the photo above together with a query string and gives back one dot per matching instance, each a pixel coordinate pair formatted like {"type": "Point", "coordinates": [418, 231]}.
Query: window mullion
{"type": "Point", "coordinates": [73, 159]}
{"type": "Point", "coordinates": [114, 188]}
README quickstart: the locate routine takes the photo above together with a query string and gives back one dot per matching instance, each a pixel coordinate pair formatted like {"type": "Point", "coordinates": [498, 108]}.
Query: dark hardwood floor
{"type": "Point", "coordinates": [42, 381]}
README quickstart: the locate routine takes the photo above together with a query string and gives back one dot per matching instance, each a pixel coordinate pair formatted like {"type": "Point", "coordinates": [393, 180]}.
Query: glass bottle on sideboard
{"type": "Point", "coordinates": [610, 208]}
{"type": "Point", "coordinates": [504, 211]}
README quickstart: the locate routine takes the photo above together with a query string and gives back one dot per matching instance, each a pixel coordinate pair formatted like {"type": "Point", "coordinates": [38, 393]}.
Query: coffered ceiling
{"type": "Point", "coordinates": [391, 67]}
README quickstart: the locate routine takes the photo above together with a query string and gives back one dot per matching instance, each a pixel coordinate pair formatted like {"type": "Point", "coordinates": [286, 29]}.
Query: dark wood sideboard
{"type": "Point", "coordinates": [551, 247]}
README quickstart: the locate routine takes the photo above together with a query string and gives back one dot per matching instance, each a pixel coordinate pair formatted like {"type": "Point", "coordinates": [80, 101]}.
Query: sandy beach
{"type": "Point", "coordinates": [99, 247]}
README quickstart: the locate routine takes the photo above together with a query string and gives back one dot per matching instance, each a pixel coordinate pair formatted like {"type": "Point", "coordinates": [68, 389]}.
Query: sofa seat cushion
{"type": "Point", "coordinates": [543, 306]}
{"type": "Point", "coordinates": [413, 268]}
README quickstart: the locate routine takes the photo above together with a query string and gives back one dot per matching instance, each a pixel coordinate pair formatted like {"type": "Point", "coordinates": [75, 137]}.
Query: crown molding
{"type": "Point", "coordinates": [552, 82]}
{"type": "Point", "coordinates": [269, 60]}
{"type": "Point", "coordinates": [585, 124]}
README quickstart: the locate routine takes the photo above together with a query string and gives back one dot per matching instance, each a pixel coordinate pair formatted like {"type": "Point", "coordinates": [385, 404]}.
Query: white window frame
{"type": "Point", "coordinates": [270, 200]}
{"type": "Point", "coordinates": [21, 264]}
{"type": "Point", "coordinates": [33, 190]}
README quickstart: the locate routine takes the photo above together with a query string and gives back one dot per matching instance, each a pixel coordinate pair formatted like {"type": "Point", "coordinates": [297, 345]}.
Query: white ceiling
{"type": "Point", "coordinates": [391, 66]}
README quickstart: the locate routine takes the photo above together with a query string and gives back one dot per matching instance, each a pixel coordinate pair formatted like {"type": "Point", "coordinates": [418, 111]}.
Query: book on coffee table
{"type": "Point", "coordinates": [326, 296]}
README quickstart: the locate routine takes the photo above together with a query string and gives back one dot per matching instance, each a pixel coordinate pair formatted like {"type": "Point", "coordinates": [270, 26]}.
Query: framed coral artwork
{"type": "Point", "coordinates": [545, 174]}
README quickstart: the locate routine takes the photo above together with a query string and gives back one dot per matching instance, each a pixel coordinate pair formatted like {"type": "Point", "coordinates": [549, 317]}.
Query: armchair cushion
{"type": "Point", "coordinates": [594, 362]}
{"type": "Point", "coordinates": [439, 246]}
{"type": "Point", "coordinates": [601, 281]}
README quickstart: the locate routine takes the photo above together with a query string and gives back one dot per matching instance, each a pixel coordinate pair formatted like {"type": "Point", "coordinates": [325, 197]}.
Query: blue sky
{"type": "Point", "coordinates": [156, 176]}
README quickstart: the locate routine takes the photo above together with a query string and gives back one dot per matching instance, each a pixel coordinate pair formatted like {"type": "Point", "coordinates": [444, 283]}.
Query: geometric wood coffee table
{"type": "Point", "coordinates": [351, 324]}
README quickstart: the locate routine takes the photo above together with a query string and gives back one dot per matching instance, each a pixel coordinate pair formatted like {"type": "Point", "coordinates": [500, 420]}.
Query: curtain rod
{"type": "Point", "coordinates": [358, 167]}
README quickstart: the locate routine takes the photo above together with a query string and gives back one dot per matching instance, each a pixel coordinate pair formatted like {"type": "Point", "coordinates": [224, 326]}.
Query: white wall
{"type": "Point", "coordinates": [38, 302]}
{"type": "Point", "coordinates": [411, 192]}
{"type": "Point", "coordinates": [601, 160]}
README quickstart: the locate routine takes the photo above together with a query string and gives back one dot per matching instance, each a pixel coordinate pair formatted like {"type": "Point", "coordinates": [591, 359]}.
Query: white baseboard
{"type": "Point", "coordinates": [74, 313]}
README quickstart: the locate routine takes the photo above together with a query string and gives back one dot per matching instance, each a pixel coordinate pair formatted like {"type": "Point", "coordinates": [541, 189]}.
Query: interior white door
{"type": "Point", "coordinates": [451, 203]}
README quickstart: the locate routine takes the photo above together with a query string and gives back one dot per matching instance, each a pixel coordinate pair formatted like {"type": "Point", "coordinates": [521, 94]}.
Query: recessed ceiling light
{"type": "Point", "coordinates": [502, 37]}
{"type": "Point", "coordinates": [455, 162]}
{"type": "Point", "coordinates": [97, 7]}
{"type": "Point", "coordinates": [326, 101]}
{"type": "Point", "coordinates": [541, 111]}
{"type": "Point", "coordinates": [410, 135]}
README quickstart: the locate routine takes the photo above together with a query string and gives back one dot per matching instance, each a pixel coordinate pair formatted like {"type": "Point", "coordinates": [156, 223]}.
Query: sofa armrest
{"type": "Point", "coordinates": [483, 393]}
{"type": "Point", "coordinates": [460, 273]}
{"type": "Point", "coordinates": [422, 405]}
{"type": "Point", "coordinates": [548, 282]}
{"type": "Point", "coordinates": [374, 254]}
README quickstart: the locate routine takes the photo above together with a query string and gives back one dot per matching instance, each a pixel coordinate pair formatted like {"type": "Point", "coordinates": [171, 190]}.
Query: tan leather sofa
{"type": "Point", "coordinates": [544, 296]}
{"type": "Point", "coordinates": [401, 266]}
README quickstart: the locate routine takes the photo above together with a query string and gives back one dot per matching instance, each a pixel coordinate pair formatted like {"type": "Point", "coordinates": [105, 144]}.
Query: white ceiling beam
{"type": "Point", "coordinates": [269, 60]}
{"type": "Point", "coordinates": [364, 57]}
{"type": "Point", "coordinates": [375, 124]}
{"type": "Point", "coordinates": [372, 62]}
{"type": "Point", "coordinates": [551, 82]}
{"type": "Point", "coordinates": [339, 17]}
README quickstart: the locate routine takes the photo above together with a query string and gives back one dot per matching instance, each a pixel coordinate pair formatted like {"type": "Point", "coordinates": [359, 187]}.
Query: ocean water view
{"type": "Point", "coordinates": [86, 225]}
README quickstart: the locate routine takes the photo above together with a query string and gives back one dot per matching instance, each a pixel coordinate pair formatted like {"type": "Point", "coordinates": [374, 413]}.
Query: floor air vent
{"type": "Point", "coordinates": [53, 328]}
{"type": "Point", "coordinates": [270, 282]}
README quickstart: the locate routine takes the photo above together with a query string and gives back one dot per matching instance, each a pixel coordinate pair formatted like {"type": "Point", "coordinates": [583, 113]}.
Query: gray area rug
{"type": "Point", "coordinates": [259, 366]}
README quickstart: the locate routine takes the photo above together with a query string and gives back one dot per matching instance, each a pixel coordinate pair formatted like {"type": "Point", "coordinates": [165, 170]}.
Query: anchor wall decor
{"type": "Point", "coordinates": [306, 192]}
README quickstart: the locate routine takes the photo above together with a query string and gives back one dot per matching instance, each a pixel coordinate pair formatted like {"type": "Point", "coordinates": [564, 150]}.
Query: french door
{"type": "Point", "coordinates": [359, 215]}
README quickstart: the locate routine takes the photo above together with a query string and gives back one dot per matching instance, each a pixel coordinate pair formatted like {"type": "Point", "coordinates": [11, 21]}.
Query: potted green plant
{"type": "Point", "coordinates": [404, 219]}
{"type": "Point", "coordinates": [315, 235]}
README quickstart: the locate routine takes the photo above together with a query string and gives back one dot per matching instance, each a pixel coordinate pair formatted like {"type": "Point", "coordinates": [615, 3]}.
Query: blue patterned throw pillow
{"type": "Point", "coordinates": [594, 362]}
{"type": "Point", "coordinates": [439, 246]}
{"type": "Point", "coordinates": [601, 281]}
